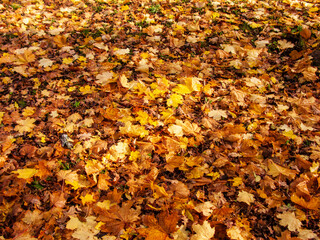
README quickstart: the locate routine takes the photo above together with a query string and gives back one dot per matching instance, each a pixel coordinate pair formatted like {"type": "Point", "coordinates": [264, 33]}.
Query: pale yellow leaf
{"type": "Point", "coordinates": [45, 62]}
{"type": "Point", "coordinates": [203, 232]}
{"type": "Point", "coordinates": [33, 217]}
{"type": "Point", "coordinates": [218, 114]}
{"type": "Point", "coordinates": [284, 44]}
{"type": "Point", "coordinates": [288, 219]}
{"type": "Point", "coordinates": [306, 234]}
{"type": "Point", "coordinates": [176, 130]}
{"type": "Point", "coordinates": [245, 197]}
{"type": "Point", "coordinates": [105, 78]}
{"type": "Point", "coordinates": [181, 234]}
{"type": "Point", "coordinates": [205, 208]}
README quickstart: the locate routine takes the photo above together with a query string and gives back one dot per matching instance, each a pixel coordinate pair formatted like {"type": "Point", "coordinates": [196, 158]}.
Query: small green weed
{"type": "Point", "coordinates": [15, 6]}
{"type": "Point", "coordinates": [154, 9]}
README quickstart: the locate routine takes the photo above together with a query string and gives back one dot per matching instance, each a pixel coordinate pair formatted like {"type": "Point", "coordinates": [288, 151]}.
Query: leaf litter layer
{"type": "Point", "coordinates": [159, 119]}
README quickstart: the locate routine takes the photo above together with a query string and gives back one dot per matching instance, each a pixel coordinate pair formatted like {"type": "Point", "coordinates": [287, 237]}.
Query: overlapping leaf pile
{"type": "Point", "coordinates": [159, 119]}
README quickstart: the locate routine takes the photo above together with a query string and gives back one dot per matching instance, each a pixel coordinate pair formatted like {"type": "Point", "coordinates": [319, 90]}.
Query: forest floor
{"type": "Point", "coordinates": [173, 119]}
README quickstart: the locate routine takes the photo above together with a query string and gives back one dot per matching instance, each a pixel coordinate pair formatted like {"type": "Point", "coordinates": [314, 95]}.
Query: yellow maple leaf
{"type": "Point", "coordinates": [215, 15]}
{"type": "Point", "coordinates": [28, 111]}
{"type": "Point", "coordinates": [313, 9]}
{"type": "Point", "coordinates": [26, 173]}
{"type": "Point", "coordinates": [237, 181]}
{"type": "Point", "coordinates": [82, 59]}
{"type": "Point", "coordinates": [6, 80]}
{"type": "Point", "coordinates": [88, 198]}
{"type": "Point", "coordinates": [26, 125]}
{"type": "Point", "coordinates": [124, 8]}
{"type": "Point", "coordinates": [1, 116]}
{"type": "Point", "coordinates": [193, 84]}
{"type": "Point", "coordinates": [145, 55]}
{"type": "Point", "coordinates": [289, 134]}
{"type": "Point", "coordinates": [134, 155]}
{"type": "Point", "coordinates": [182, 89]}
{"type": "Point", "coordinates": [142, 117]}
{"type": "Point", "coordinates": [313, 169]}
{"type": "Point", "coordinates": [87, 89]}
{"type": "Point", "coordinates": [175, 100]}
{"type": "Point", "coordinates": [166, 114]}
{"type": "Point", "coordinates": [67, 60]}
{"type": "Point", "coordinates": [72, 178]}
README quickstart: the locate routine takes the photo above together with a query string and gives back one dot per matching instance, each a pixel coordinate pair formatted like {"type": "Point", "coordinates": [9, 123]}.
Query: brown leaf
{"type": "Point", "coordinates": [28, 150]}
{"type": "Point", "coordinates": [58, 199]}
{"type": "Point", "coordinates": [305, 33]}
{"type": "Point", "coordinates": [100, 147]}
{"type": "Point", "coordinates": [45, 152]}
{"type": "Point", "coordinates": [180, 189]}
{"type": "Point", "coordinates": [161, 227]}
{"type": "Point", "coordinates": [168, 221]}
{"type": "Point", "coordinates": [118, 218]}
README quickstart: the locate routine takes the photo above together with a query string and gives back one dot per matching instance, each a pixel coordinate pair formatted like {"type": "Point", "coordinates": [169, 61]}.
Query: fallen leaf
{"type": "Point", "coordinates": [176, 130]}
{"type": "Point", "coordinates": [288, 219]}
{"type": "Point", "coordinates": [245, 197]}
{"type": "Point", "coordinates": [203, 232]}
{"type": "Point", "coordinates": [313, 204]}
{"type": "Point", "coordinates": [218, 114]}
{"type": "Point", "coordinates": [205, 208]}
{"type": "Point", "coordinates": [275, 170]}
{"type": "Point", "coordinates": [83, 230]}
{"type": "Point", "coordinates": [45, 62]}
{"type": "Point", "coordinates": [26, 173]}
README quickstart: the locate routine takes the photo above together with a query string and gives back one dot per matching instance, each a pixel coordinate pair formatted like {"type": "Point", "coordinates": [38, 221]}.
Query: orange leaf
{"type": "Point", "coordinates": [313, 204]}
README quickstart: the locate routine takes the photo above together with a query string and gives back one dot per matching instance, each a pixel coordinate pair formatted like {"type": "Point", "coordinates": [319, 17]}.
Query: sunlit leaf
{"type": "Point", "coordinates": [203, 232]}
{"type": "Point", "coordinates": [288, 219]}
{"type": "Point", "coordinates": [26, 173]}
{"type": "Point", "coordinates": [245, 197]}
